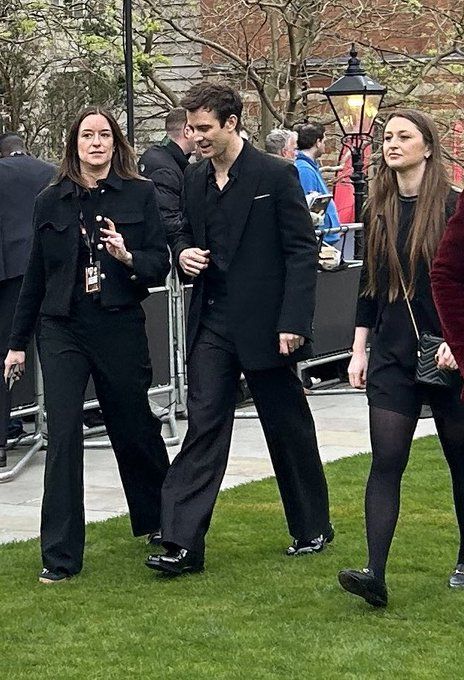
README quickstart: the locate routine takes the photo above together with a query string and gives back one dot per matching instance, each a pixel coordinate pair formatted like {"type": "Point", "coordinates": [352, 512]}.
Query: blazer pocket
{"type": "Point", "coordinates": [55, 226]}
{"type": "Point", "coordinates": [126, 218]}
{"type": "Point", "coordinates": [258, 198]}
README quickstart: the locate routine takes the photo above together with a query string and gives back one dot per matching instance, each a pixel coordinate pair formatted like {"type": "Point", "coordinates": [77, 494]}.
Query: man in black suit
{"type": "Point", "coordinates": [22, 177]}
{"type": "Point", "coordinates": [248, 241]}
{"type": "Point", "coordinates": [165, 165]}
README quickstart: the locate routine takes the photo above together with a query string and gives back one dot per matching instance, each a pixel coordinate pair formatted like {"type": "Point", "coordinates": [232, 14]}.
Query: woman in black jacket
{"type": "Point", "coordinates": [410, 202]}
{"type": "Point", "coordinates": [98, 245]}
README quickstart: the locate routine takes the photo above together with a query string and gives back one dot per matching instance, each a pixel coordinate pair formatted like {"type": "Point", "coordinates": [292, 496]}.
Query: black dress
{"type": "Point", "coordinates": [393, 354]}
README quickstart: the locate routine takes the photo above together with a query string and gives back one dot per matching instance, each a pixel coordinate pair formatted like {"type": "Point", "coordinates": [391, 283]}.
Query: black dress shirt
{"type": "Point", "coordinates": [217, 229]}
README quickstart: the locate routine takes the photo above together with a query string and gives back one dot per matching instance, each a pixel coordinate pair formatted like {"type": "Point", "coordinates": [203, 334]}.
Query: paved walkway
{"type": "Point", "coordinates": [341, 422]}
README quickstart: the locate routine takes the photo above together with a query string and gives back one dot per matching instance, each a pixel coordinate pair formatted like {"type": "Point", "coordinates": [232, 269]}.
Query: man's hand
{"type": "Point", "coordinates": [194, 260]}
{"type": "Point", "coordinates": [14, 358]}
{"type": "Point", "coordinates": [289, 342]}
{"type": "Point", "coordinates": [445, 358]}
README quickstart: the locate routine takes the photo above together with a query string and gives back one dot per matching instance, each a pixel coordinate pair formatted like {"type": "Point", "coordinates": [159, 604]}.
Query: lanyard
{"type": "Point", "coordinates": [89, 242]}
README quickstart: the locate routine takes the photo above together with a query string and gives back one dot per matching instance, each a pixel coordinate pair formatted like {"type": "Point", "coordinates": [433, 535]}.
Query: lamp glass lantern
{"type": "Point", "coordinates": [355, 99]}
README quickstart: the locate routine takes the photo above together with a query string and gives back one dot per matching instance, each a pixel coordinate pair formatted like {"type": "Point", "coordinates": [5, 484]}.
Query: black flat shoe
{"type": "Point", "coordinates": [364, 584]}
{"type": "Point", "coordinates": [456, 580]}
{"type": "Point", "coordinates": [309, 546]}
{"type": "Point", "coordinates": [176, 562]}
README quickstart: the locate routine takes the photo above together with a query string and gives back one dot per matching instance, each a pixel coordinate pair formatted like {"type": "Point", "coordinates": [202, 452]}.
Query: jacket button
{"type": "Point", "coordinates": [211, 301]}
{"type": "Point", "coordinates": [133, 277]}
{"type": "Point", "coordinates": [100, 246]}
{"type": "Point", "coordinates": [98, 218]}
{"type": "Point", "coordinates": [103, 276]}
{"type": "Point", "coordinates": [102, 191]}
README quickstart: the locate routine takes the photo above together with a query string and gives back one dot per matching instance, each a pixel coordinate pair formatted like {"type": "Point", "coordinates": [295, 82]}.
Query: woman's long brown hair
{"type": "Point", "coordinates": [124, 161]}
{"type": "Point", "coordinates": [382, 212]}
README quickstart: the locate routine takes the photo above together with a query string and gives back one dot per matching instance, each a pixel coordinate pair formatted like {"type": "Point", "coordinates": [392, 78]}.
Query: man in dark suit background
{"type": "Point", "coordinates": [165, 165]}
{"type": "Point", "coordinates": [22, 178]}
{"type": "Point", "coordinates": [248, 241]}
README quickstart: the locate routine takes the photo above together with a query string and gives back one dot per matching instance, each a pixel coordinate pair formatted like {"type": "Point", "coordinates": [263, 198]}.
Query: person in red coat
{"type": "Point", "coordinates": [448, 284]}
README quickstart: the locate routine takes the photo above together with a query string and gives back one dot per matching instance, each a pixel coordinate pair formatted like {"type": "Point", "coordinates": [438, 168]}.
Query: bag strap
{"type": "Point", "coordinates": [406, 298]}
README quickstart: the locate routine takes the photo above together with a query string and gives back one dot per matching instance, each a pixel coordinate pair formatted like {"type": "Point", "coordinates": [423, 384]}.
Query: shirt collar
{"type": "Point", "coordinates": [234, 169]}
{"type": "Point", "coordinates": [113, 181]}
{"type": "Point", "coordinates": [308, 159]}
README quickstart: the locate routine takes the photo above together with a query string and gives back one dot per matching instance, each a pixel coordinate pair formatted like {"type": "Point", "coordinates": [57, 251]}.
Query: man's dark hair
{"type": "Point", "coordinates": [175, 122]}
{"type": "Point", "coordinates": [309, 134]}
{"type": "Point", "coordinates": [11, 142]}
{"type": "Point", "coordinates": [223, 100]}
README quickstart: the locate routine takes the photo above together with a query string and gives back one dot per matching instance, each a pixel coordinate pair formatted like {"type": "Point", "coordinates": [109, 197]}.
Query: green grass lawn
{"type": "Point", "coordinates": [254, 613]}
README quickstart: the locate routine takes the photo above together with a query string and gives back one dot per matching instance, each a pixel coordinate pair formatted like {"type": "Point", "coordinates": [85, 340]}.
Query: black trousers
{"type": "Point", "coordinates": [9, 293]}
{"type": "Point", "coordinates": [194, 478]}
{"type": "Point", "coordinates": [112, 347]}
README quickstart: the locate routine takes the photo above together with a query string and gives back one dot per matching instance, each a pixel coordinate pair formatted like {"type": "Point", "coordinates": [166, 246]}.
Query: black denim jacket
{"type": "Point", "coordinates": [51, 273]}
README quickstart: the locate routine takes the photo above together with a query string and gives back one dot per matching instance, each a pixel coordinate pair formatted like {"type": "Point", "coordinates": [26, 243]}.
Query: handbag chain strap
{"type": "Point", "coordinates": [406, 299]}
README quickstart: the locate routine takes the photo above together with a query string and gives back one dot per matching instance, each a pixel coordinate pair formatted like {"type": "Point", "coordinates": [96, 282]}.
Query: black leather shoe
{"type": "Point", "coordinates": [309, 546]}
{"type": "Point", "coordinates": [364, 584]}
{"type": "Point", "coordinates": [176, 562]}
{"type": "Point", "coordinates": [456, 580]}
{"type": "Point", "coordinates": [2, 457]}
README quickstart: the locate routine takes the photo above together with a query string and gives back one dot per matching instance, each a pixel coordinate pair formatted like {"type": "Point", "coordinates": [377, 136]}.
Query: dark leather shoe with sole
{"type": "Point", "coordinates": [364, 584]}
{"type": "Point", "coordinates": [310, 546]}
{"type": "Point", "coordinates": [176, 562]}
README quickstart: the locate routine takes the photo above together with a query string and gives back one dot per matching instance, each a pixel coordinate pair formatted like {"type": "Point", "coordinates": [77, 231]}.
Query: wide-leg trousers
{"type": "Point", "coordinates": [194, 478]}
{"type": "Point", "coordinates": [110, 346]}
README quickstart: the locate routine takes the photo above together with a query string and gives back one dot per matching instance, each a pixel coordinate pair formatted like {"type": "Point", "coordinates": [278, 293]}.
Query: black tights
{"type": "Point", "coordinates": [391, 438]}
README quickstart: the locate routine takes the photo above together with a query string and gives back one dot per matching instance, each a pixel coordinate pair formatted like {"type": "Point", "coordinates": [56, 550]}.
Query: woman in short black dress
{"type": "Point", "coordinates": [409, 205]}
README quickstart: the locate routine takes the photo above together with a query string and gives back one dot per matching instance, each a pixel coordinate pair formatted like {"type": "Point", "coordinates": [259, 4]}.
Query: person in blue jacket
{"type": "Point", "coordinates": [311, 146]}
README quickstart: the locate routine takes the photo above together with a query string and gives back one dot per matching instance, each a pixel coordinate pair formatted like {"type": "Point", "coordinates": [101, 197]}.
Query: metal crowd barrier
{"type": "Point", "coordinates": [166, 309]}
{"type": "Point", "coordinates": [159, 310]}
{"type": "Point", "coordinates": [35, 406]}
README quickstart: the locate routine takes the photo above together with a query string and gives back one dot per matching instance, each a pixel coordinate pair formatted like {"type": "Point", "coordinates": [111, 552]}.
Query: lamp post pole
{"type": "Point", "coordinates": [355, 99]}
{"type": "Point", "coordinates": [128, 67]}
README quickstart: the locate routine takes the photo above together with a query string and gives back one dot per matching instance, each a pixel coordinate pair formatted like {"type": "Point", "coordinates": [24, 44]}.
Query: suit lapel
{"type": "Point", "coordinates": [238, 208]}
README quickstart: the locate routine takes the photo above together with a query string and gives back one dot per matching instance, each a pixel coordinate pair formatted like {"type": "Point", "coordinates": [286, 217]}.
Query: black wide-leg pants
{"type": "Point", "coordinates": [112, 347]}
{"type": "Point", "coordinates": [194, 478]}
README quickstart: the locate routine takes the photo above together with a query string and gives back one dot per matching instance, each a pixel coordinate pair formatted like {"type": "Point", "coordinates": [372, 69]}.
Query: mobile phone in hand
{"type": "Point", "coordinates": [14, 374]}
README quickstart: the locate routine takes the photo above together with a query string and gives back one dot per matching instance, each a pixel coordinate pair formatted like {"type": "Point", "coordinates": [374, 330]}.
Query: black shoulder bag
{"type": "Point", "coordinates": [427, 371]}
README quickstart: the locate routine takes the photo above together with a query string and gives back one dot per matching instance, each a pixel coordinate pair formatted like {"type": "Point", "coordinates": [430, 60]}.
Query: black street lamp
{"type": "Point", "coordinates": [355, 100]}
{"type": "Point", "coordinates": [128, 67]}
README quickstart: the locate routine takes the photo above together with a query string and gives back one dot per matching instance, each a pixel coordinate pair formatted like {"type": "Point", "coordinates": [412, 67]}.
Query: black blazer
{"type": "Point", "coordinates": [22, 178]}
{"type": "Point", "coordinates": [370, 310]}
{"type": "Point", "coordinates": [51, 273]}
{"type": "Point", "coordinates": [272, 258]}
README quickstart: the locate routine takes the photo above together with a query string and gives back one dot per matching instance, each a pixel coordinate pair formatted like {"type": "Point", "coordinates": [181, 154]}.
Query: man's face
{"type": "Point", "coordinates": [210, 138]}
{"type": "Point", "coordinates": [289, 150]}
{"type": "Point", "coordinates": [320, 147]}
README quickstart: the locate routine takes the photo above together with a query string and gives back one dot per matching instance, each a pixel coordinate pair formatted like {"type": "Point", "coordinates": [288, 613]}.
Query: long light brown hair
{"type": "Point", "coordinates": [124, 161]}
{"type": "Point", "coordinates": [382, 212]}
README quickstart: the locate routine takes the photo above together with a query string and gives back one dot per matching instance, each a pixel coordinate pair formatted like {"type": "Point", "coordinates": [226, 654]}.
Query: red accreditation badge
{"type": "Point", "coordinates": [92, 278]}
